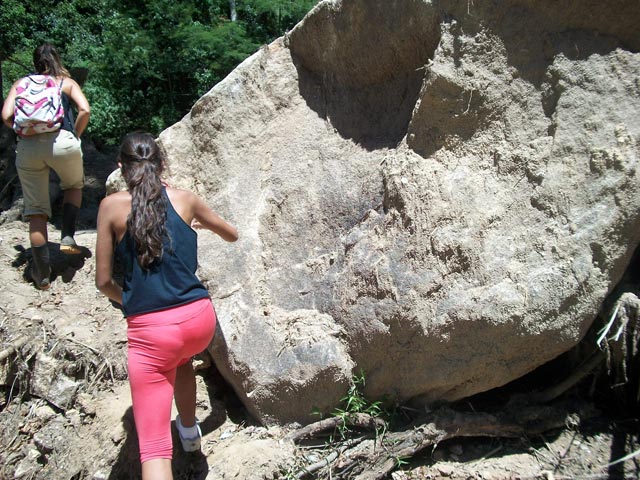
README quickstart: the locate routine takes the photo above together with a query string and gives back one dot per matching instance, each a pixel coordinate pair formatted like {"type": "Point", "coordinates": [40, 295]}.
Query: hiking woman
{"type": "Point", "coordinates": [59, 150]}
{"type": "Point", "coordinates": [169, 313]}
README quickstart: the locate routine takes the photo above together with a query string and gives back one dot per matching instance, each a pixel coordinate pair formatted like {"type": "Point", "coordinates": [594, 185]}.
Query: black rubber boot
{"type": "Point", "coordinates": [41, 268]}
{"type": "Point", "coordinates": [69, 215]}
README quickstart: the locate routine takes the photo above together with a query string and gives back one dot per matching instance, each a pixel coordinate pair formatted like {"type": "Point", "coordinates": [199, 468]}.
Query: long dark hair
{"type": "Point", "coordinates": [47, 61]}
{"type": "Point", "coordinates": [142, 163]}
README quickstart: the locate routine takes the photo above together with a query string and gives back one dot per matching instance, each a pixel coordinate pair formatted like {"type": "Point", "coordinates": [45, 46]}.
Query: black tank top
{"type": "Point", "coordinates": [68, 120]}
{"type": "Point", "coordinates": [166, 283]}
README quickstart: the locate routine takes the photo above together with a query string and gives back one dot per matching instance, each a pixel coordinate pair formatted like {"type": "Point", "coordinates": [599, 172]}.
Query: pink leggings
{"type": "Point", "coordinates": [159, 342]}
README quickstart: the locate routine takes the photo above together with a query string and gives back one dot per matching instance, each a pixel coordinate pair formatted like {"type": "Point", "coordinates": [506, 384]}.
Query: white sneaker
{"type": "Point", "coordinates": [189, 444]}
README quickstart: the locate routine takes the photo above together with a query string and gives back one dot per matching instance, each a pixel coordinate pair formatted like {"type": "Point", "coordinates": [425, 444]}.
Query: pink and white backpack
{"type": "Point", "coordinates": [38, 105]}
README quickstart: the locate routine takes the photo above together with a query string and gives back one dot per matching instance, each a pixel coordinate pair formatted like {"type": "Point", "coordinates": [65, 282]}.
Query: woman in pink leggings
{"type": "Point", "coordinates": [169, 313]}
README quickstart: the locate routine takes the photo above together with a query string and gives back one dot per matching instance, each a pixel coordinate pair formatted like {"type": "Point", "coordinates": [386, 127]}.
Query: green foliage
{"type": "Point", "coordinates": [14, 33]}
{"type": "Point", "coordinates": [355, 402]}
{"type": "Point", "coordinates": [268, 19]}
{"type": "Point", "coordinates": [148, 61]}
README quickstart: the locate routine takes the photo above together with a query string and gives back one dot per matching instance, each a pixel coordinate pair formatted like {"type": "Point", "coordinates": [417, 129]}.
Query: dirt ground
{"type": "Point", "coordinates": [71, 339]}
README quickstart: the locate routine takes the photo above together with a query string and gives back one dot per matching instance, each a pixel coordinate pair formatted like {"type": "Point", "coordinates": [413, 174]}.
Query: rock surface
{"type": "Point", "coordinates": [440, 194]}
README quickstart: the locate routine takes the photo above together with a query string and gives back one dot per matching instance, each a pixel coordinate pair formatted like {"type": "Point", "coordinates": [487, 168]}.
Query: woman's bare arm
{"type": "Point", "coordinates": [207, 218]}
{"type": "Point", "coordinates": [8, 108]}
{"type": "Point", "coordinates": [104, 252]}
{"type": "Point", "coordinates": [84, 110]}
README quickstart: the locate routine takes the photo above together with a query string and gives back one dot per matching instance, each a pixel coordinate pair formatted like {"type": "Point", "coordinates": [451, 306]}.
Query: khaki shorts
{"type": "Point", "coordinates": [36, 155]}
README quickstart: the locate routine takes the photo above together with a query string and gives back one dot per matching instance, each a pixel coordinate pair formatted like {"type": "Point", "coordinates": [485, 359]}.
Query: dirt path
{"type": "Point", "coordinates": [78, 334]}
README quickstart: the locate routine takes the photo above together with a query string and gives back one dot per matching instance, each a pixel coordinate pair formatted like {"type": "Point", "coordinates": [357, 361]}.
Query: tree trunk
{"type": "Point", "coordinates": [232, 9]}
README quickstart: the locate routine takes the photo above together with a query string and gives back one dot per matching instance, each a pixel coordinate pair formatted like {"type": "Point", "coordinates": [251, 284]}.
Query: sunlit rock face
{"type": "Point", "coordinates": [438, 194]}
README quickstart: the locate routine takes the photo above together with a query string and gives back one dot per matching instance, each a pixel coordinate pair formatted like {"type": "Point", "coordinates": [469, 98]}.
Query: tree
{"type": "Point", "coordinates": [13, 33]}
{"type": "Point", "coordinates": [269, 19]}
{"type": "Point", "coordinates": [148, 61]}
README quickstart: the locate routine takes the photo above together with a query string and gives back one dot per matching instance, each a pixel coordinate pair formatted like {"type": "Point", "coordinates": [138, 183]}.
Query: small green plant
{"type": "Point", "coordinates": [354, 402]}
{"type": "Point", "coordinates": [401, 461]}
{"type": "Point", "coordinates": [316, 411]}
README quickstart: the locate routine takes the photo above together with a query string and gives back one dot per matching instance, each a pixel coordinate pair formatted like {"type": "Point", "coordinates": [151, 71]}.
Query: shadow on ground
{"type": "Point", "coordinates": [185, 466]}
{"type": "Point", "coordinates": [63, 266]}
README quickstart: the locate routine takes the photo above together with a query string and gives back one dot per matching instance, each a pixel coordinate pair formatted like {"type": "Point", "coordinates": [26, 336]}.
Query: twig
{"type": "Point", "coordinates": [581, 372]}
{"type": "Point", "coordinates": [607, 327]}
{"type": "Point", "coordinates": [550, 460]}
{"type": "Point", "coordinates": [11, 442]}
{"type": "Point", "coordinates": [13, 384]}
{"type": "Point", "coordinates": [469, 103]}
{"type": "Point", "coordinates": [54, 346]}
{"type": "Point", "coordinates": [361, 420]}
{"type": "Point", "coordinates": [566, 450]}
{"type": "Point", "coordinates": [111, 371]}
{"type": "Point", "coordinates": [14, 347]}
{"type": "Point", "coordinates": [325, 462]}
{"type": "Point", "coordinates": [623, 459]}
{"type": "Point", "coordinates": [445, 424]}
{"type": "Point", "coordinates": [484, 457]}
{"type": "Point", "coordinates": [96, 378]}
{"type": "Point", "coordinates": [97, 352]}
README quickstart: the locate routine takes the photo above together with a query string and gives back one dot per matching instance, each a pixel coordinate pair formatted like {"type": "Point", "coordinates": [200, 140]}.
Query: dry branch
{"type": "Point", "coordinates": [581, 372]}
{"type": "Point", "coordinates": [360, 420]}
{"type": "Point", "coordinates": [14, 347]}
{"type": "Point", "coordinates": [382, 456]}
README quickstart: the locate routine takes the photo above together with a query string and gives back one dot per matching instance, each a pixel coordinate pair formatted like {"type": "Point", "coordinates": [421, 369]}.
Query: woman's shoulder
{"type": "Point", "coordinates": [68, 84]}
{"type": "Point", "coordinates": [177, 194]}
{"type": "Point", "coordinates": [115, 200]}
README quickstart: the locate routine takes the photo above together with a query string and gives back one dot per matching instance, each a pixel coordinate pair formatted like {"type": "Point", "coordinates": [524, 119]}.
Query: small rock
{"type": "Point", "coordinates": [33, 454]}
{"type": "Point", "coordinates": [201, 362]}
{"type": "Point", "coordinates": [26, 468]}
{"type": "Point", "coordinates": [446, 470]}
{"type": "Point", "coordinates": [117, 434]}
{"type": "Point", "coordinates": [74, 418]}
{"type": "Point", "coordinates": [86, 404]}
{"type": "Point", "coordinates": [45, 413]}
{"type": "Point", "coordinates": [226, 434]}
{"type": "Point", "coordinates": [115, 182]}
{"type": "Point", "coordinates": [49, 438]}
{"type": "Point", "coordinates": [50, 383]}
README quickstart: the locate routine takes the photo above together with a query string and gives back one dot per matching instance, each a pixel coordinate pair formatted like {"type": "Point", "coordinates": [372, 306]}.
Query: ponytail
{"type": "Point", "coordinates": [142, 164]}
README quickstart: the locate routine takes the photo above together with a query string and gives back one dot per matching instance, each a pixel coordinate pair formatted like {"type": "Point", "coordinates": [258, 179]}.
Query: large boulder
{"type": "Point", "coordinates": [438, 194]}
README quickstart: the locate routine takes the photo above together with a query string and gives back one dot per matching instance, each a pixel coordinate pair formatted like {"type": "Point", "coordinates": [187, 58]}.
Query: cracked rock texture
{"type": "Point", "coordinates": [438, 193]}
